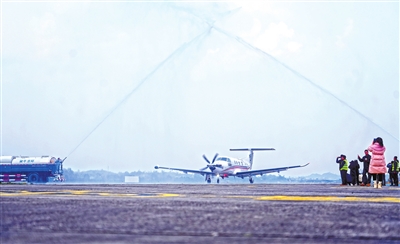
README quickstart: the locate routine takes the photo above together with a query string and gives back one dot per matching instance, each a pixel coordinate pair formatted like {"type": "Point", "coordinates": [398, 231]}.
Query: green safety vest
{"type": "Point", "coordinates": [395, 169]}
{"type": "Point", "coordinates": [345, 166]}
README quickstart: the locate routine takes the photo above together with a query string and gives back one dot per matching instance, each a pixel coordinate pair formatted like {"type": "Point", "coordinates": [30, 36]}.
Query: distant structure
{"type": "Point", "coordinates": [131, 179]}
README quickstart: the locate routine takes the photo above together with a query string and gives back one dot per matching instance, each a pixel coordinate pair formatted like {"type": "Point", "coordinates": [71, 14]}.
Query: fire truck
{"type": "Point", "coordinates": [31, 169]}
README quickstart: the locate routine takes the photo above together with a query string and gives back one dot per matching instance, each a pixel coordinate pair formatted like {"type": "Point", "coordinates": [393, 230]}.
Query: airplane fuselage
{"type": "Point", "coordinates": [225, 166]}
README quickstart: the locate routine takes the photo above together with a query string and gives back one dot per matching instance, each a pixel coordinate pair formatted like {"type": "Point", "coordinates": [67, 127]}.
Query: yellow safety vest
{"type": "Point", "coordinates": [345, 166]}
{"type": "Point", "coordinates": [395, 169]}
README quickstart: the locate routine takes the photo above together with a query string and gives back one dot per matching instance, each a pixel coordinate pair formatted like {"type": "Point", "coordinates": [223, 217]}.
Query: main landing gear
{"type": "Point", "coordinates": [251, 180]}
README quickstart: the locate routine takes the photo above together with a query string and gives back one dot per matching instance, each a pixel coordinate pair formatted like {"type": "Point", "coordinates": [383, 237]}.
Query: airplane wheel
{"type": "Point", "coordinates": [218, 181]}
{"type": "Point", "coordinates": [208, 181]}
{"type": "Point", "coordinates": [251, 181]}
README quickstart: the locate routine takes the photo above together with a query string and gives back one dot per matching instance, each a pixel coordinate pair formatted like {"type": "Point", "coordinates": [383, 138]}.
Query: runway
{"type": "Point", "coordinates": [188, 213]}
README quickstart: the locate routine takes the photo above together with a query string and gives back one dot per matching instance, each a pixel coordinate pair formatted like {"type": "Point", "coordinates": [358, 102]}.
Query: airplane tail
{"type": "Point", "coordinates": [251, 155]}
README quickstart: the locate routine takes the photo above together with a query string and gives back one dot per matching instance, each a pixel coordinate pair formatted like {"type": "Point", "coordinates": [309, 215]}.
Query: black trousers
{"type": "Point", "coordinates": [354, 176]}
{"type": "Point", "coordinates": [380, 177]}
{"type": "Point", "coordinates": [343, 175]}
{"type": "Point", "coordinates": [394, 178]}
{"type": "Point", "coordinates": [366, 179]}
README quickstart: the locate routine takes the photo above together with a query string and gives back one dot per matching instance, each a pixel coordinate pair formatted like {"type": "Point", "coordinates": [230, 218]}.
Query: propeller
{"type": "Point", "coordinates": [210, 166]}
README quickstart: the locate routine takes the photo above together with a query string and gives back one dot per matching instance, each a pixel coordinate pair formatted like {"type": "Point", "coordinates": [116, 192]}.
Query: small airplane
{"type": "Point", "coordinates": [223, 167]}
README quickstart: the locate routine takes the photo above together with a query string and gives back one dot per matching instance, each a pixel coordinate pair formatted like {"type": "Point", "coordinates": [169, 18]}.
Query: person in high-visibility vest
{"type": "Point", "coordinates": [389, 166]}
{"type": "Point", "coordinates": [343, 167]}
{"type": "Point", "coordinates": [394, 174]}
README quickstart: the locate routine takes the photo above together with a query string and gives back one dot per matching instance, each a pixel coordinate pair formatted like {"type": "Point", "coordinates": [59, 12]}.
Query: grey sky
{"type": "Point", "coordinates": [164, 83]}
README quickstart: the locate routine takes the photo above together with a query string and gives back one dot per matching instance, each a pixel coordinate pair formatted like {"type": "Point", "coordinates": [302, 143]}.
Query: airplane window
{"type": "Point", "coordinates": [228, 160]}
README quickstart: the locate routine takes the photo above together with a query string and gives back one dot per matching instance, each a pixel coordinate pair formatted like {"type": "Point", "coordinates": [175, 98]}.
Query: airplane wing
{"type": "Point", "coordinates": [266, 171]}
{"type": "Point", "coordinates": [202, 172]}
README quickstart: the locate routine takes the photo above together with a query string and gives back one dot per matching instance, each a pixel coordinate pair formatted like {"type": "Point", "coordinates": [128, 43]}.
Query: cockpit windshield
{"type": "Point", "coordinates": [224, 159]}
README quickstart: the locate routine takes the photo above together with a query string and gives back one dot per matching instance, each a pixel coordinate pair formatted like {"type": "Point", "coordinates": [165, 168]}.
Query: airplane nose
{"type": "Point", "coordinates": [216, 165]}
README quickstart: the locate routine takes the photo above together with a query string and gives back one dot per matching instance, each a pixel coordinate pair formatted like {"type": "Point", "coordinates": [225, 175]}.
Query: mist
{"type": "Point", "coordinates": [127, 86]}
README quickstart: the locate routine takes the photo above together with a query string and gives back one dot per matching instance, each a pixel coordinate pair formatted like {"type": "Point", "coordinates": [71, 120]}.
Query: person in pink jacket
{"type": "Point", "coordinates": [377, 166]}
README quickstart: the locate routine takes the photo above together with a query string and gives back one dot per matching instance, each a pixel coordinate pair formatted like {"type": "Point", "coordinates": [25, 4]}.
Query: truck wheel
{"type": "Point", "coordinates": [33, 178]}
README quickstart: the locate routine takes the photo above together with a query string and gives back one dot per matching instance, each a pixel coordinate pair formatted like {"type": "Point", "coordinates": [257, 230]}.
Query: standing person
{"type": "Point", "coordinates": [395, 168]}
{"type": "Point", "coordinates": [389, 166]}
{"type": "Point", "coordinates": [354, 172]}
{"type": "Point", "coordinates": [343, 166]}
{"type": "Point", "coordinates": [366, 177]}
{"type": "Point", "coordinates": [377, 166]}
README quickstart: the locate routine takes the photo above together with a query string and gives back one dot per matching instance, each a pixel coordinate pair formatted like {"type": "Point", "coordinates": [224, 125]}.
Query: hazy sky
{"type": "Point", "coordinates": [124, 86]}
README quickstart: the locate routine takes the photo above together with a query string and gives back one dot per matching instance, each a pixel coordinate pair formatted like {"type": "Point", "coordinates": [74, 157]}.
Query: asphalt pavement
{"type": "Point", "coordinates": [201, 213]}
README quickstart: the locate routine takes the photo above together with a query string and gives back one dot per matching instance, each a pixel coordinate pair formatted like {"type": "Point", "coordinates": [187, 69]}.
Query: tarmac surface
{"type": "Point", "coordinates": [188, 213]}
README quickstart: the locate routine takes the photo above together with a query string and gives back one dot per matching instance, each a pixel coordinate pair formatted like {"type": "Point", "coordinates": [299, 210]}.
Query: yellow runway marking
{"type": "Point", "coordinates": [68, 193]}
{"type": "Point", "coordinates": [169, 195]}
{"type": "Point", "coordinates": [328, 199]}
{"type": "Point", "coordinates": [85, 193]}
{"type": "Point", "coordinates": [77, 192]}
